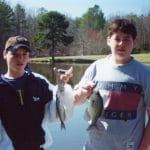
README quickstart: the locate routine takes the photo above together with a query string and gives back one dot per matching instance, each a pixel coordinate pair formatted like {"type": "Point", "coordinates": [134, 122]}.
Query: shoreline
{"type": "Point", "coordinates": [144, 58]}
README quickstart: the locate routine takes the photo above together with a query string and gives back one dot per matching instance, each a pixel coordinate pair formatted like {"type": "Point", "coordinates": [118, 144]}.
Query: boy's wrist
{"type": "Point", "coordinates": [79, 96]}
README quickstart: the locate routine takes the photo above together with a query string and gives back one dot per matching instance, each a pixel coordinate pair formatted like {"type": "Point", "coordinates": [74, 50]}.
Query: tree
{"type": "Point", "coordinates": [6, 21]}
{"type": "Point", "coordinates": [53, 31]}
{"type": "Point", "coordinates": [31, 29]}
{"type": "Point", "coordinates": [93, 19]}
{"type": "Point", "coordinates": [20, 20]}
{"type": "Point", "coordinates": [90, 28]}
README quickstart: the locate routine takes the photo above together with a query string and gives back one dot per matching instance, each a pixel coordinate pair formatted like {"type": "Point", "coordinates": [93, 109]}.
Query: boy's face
{"type": "Point", "coordinates": [121, 45]}
{"type": "Point", "coordinates": [17, 61]}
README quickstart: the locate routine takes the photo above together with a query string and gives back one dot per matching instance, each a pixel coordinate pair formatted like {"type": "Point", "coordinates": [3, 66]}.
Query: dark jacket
{"type": "Point", "coordinates": [22, 117]}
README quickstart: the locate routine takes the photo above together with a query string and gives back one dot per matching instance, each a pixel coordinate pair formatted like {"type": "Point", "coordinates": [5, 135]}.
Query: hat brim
{"type": "Point", "coordinates": [14, 48]}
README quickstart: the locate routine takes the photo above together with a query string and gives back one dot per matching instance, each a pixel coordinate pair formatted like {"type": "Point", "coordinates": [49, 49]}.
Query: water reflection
{"type": "Point", "coordinates": [46, 70]}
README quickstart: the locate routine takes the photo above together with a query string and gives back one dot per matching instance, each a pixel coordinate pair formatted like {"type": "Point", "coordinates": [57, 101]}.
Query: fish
{"type": "Point", "coordinates": [60, 110]}
{"type": "Point", "coordinates": [61, 84]}
{"type": "Point", "coordinates": [94, 109]}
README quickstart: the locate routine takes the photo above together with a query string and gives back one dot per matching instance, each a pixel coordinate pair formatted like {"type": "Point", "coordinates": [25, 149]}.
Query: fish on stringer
{"type": "Point", "coordinates": [95, 108]}
{"type": "Point", "coordinates": [60, 112]}
{"type": "Point", "coordinates": [60, 97]}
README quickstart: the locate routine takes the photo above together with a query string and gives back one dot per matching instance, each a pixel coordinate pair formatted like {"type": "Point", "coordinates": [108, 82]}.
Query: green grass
{"type": "Point", "coordinates": [66, 58]}
{"type": "Point", "coordinates": [92, 57]}
{"type": "Point", "coordinates": [145, 58]}
{"type": "Point", "coordinates": [142, 57]}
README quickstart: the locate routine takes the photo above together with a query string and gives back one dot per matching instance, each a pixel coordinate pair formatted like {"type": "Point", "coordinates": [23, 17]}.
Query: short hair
{"type": "Point", "coordinates": [123, 25]}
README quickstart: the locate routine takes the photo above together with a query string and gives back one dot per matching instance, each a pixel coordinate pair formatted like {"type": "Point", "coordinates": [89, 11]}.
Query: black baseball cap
{"type": "Point", "coordinates": [16, 42]}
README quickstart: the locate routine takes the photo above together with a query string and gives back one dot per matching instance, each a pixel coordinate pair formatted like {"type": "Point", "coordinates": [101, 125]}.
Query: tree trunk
{"type": "Point", "coordinates": [53, 54]}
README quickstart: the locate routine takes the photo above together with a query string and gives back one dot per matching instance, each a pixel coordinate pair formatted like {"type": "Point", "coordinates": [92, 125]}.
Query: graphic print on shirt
{"type": "Point", "coordinates": [122, 99]}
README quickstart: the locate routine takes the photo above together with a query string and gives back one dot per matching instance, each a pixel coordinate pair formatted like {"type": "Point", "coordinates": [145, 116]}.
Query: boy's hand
{"type": "Point", "coordinates": [63, 76]}
{"type": "Point", "coordinates": [83, 92]}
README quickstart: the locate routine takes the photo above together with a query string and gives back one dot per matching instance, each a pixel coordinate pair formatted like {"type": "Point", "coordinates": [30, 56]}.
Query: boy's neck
{"type": "Point", "coordinates": [119, 61]}
{"type": "Point", "coordinates": [13, 75]}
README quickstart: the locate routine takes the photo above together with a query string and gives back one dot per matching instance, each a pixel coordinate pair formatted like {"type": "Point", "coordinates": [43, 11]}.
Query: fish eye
{"type": "Point", "coordinates": [93, 101]}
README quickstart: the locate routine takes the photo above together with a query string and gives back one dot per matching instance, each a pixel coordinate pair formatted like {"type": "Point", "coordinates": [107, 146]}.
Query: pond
{"type": "Point", "coordinates": [74, 137]}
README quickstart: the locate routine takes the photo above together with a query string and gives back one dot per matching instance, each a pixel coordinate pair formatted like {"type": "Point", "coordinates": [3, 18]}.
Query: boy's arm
{"type": "Point", "coordinates": [5, 142]}
{"type": "Point", "coordinates": [146, 137]}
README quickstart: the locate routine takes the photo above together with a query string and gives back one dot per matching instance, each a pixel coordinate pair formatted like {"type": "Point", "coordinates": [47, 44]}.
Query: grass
{"type": "Point", "coordinates": [82, 59]}
{"type": "Point", "coordinates": [145, 58]}
{"type": "Point", "coordinates": [92, 57]}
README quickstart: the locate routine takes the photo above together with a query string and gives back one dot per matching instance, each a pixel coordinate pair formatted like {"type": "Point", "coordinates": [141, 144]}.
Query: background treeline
{"type": "Point", "coordinates": [89, 31]}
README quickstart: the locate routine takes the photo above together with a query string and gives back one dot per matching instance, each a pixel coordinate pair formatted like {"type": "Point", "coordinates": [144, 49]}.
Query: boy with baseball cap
{"type": "Point", "coordinates": [27, 101]}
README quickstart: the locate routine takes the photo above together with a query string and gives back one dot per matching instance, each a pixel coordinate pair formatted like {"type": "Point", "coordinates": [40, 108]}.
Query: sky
{"type": "Point", "coordinates": [76, 8]}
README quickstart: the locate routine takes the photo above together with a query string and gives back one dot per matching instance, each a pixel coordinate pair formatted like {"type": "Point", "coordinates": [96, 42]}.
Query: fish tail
{"type": "Point", "coordinates": [62, 122]}
{"type": "Point", "coordinates": [63, 126]}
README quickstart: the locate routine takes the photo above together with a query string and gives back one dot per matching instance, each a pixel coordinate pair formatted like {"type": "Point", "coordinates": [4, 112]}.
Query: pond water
{"type": "Point", "coordinates": [74, 137]}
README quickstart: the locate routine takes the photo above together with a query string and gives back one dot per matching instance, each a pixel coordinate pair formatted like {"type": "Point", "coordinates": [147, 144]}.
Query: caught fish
{"type": "Point", "coordinates": [61, 97]}
{"type": "Point", "coordinates": [60, 112]}
{"type": "Point", "coordinates": [95, 108]}
{"type": "Point", "coordinates": [61, 84]}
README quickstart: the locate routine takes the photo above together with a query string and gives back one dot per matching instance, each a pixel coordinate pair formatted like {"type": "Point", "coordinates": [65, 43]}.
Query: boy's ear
{"type": "Point", "coordinates": [108, 41]}
{"type": "Point", "coordinates": [4, 54]}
